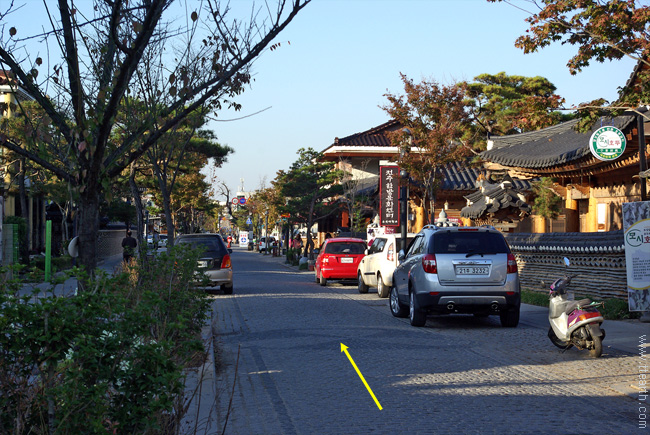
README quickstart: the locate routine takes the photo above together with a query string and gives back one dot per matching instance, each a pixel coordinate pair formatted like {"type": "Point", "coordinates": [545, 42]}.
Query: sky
{"type": "Point", "coordinates": [338, 58]}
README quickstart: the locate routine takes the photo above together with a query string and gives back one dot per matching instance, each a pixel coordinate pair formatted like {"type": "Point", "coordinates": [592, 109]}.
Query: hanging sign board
{"type": "Point", "coordinates": [607, 143]}
{"type": "Point", "coordinates": [389, 196]}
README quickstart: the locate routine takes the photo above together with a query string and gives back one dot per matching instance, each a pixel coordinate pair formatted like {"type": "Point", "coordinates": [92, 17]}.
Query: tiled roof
{"type": "Point", "coordinates": [587, 243]}
{"type": "Point", "coordinates": [548, 147]}
{"type": "Point", "coordinates": [461, 176]}
{"type": "Point", "coordinates": [492, 197]}
{"type": "Point", "coordinates": [376, 136]}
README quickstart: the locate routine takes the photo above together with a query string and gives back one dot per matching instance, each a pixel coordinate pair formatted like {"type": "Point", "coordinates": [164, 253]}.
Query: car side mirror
{"type": "Point", "coordinates": [401, 256]}
{"type": "Point", "coordinates": [366, 252]}
{"type": "Point", "coordinates": [230, 250]}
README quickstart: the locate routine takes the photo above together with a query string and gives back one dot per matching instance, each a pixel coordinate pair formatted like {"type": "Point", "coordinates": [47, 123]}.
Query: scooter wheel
{"type": "Point", "coordinates": [564, 345]}
{"type": "Point", "coordinates": [597, 350]}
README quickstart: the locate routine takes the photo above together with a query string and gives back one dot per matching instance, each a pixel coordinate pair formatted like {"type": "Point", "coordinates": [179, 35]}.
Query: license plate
{"type": "Point", "coordinates": [203, 263]}
{"type": "Point", "coordinates": [472, 270]}
{"type": "Point", "coordinates": [347, 260]}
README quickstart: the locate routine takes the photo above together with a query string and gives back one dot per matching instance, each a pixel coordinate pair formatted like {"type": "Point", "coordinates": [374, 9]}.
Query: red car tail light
{"type": "Point", "coordinates": [512, 264]}
{"type": "Point", "coordinates": [225, 262]}
{"type": "Point", "coordinates": [429, 263]}
{"type": "Point", "coordinates": [390, 255]}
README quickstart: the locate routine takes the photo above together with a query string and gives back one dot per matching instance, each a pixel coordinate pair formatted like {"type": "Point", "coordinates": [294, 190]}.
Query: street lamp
{"type": "Point", "coordinates": [403, 152]}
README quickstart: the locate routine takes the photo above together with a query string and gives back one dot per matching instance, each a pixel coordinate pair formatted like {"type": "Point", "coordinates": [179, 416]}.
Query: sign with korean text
{"type": "Point", "coordinates": [389, 196]}
{"type": "Point", "coordinates": [636, 226]}
{"type": "Point", "coordinates": [607, 143]}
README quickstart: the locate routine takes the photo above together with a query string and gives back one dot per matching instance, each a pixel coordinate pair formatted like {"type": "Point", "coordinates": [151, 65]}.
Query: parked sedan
{"type": "Point", "coordinates": [215, 261]}
{"type": "Point", "coordinates": [338, 259]}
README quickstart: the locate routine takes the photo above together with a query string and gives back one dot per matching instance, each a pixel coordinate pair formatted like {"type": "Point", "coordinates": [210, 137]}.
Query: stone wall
{"type": "Point", "coordinates": [597, 258]}
{"type": "Point", "coordinates": [109, 243]}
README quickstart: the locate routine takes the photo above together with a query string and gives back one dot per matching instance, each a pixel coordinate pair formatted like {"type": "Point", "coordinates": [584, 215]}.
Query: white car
{"type": "Point", "coordinates": [376, 268]}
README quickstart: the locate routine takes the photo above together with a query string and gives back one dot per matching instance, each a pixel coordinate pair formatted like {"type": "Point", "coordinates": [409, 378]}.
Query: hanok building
{"type": "Point", "coordinates": [362, 154]}
{"type": "Point", "coordinates": [592, 190]}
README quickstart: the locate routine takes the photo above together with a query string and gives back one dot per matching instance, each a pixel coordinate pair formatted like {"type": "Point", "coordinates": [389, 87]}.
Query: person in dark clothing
{"type": "Point", "coordinates": [128, 244]}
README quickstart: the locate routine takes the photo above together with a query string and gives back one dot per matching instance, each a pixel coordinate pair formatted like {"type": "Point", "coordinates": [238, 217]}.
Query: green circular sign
{"type": "Point", "coordinates": [607, 143]}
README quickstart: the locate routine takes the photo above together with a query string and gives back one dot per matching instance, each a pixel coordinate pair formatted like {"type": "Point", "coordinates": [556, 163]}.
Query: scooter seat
{"type": "Point", "coordinates": [572, 305]}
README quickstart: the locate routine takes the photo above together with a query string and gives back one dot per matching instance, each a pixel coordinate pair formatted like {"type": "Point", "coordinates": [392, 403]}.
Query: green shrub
{"type": "Point", "coordinates": [108, 360]}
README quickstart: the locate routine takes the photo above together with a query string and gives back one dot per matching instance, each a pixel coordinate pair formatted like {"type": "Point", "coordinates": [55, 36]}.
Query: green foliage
{"type": "Point", "coordinates": [547, 203]}
{"type": "Point", "coordinates": [108, 360]}
{"type": "Point", "coordinates": [120, 211]}
{"type": "Point", "coordinates": [501, 104]}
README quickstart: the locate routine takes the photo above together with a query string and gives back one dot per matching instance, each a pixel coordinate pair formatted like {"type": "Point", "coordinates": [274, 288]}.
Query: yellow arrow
{"type": "Point", "coordinates": [344, 348]}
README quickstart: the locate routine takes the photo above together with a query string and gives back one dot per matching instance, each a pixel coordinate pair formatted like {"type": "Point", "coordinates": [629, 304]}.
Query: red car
{"type": "Point", "coordinates": [338, 259]}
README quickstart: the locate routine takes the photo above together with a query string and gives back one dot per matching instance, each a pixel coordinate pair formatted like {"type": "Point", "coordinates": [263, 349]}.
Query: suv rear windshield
{"type": "Point", "coordinates": [211, 245]}
{"type": "Point", "coordinates": [345, 248]}
{"type": "Point", "coordinates": [468, 242]}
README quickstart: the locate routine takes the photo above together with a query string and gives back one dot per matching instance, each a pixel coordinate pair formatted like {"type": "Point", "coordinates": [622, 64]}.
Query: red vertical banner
{"type": "Point", "coordinates": [389, 196]}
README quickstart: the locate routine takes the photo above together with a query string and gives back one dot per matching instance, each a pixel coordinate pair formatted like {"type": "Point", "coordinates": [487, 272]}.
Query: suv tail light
{"type": "Point", "coordinates": [429, 263]}
{"type": "Point", "coordinates": [225, 262]}
{"type": "Point", "coordinates": [390, 255]}
{"type": "Point", "coordinates": [512, 264]}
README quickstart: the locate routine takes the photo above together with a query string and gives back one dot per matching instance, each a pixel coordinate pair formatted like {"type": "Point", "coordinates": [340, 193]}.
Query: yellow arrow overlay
{"type": "Point", "coordinates": [344, 348]}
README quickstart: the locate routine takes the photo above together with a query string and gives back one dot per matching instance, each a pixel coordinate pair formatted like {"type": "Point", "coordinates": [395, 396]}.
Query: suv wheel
{"type": "Point", "coordinates": [416, 316]}
{"type": "Point", "coordinates": [363, 287]}
{"type": "Point", "coordinates": [227, 289]}
{"type": "Point", "coordinates": [382, 289]}
{"type": "Point", "coordinates": [510, 318]}
{"type": "Point", "coordinates": [396, 308]}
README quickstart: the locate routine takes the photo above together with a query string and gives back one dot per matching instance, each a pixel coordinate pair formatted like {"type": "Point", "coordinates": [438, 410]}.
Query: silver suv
{"type": "Point", "coordinates": [456, 270]}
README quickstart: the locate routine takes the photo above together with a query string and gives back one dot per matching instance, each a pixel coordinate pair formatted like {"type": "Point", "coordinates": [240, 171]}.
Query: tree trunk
{"type": "Point", "coordinates": [24, 208]}
{"type": "Point", "coordinates": [167, 207]}
{"type": "Point", "coordinates": [135, 192]}
{"type": "Point", "coordinates": [88, 229]}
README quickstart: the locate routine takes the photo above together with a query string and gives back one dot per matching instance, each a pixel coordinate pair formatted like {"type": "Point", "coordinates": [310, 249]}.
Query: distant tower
{"type": "Point", "coordinates": [241, 187]}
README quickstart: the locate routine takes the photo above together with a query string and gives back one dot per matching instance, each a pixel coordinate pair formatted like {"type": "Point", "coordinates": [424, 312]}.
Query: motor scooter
{"type": "Point", "coordinates": [574, 323]}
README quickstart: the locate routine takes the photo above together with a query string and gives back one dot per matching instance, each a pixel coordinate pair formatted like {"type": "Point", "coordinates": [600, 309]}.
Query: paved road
{"type": "Point", "coordinates": [457, 375]}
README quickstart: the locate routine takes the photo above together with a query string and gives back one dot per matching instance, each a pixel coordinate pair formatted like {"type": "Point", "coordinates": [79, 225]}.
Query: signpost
{"type": "Point", "coordinates": [389, 196]}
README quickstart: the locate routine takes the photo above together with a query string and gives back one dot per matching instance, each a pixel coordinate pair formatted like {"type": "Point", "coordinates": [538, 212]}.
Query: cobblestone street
{"type": "Point", "coordinates": [457, 375]}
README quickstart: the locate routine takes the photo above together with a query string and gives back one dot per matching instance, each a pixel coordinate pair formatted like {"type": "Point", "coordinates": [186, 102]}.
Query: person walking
{"type": "Point", "coordinates": [128, 245]}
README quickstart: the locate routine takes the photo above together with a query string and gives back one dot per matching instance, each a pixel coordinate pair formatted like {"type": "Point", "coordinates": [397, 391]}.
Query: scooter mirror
{"type": "Point", "coordinates": [567, 263]}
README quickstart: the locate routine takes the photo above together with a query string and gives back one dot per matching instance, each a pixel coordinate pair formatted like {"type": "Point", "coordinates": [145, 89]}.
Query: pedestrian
{"type": "Point", "coordinates": [128, 245]}
{"type": "Point", "coordinates": [156, 239]}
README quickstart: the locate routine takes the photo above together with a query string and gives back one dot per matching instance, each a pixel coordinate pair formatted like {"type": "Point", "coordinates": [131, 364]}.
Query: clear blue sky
{"type": "Point", "coordinates": [344, 55]}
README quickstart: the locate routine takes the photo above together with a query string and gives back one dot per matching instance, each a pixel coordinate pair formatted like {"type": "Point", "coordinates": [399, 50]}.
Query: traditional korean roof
{"type": "Point", "coordinates": [548, 147]}
{"type": "Point", "coordinates": [492, 197]}
{"type": "Point", "coordinates": [373, 137]}
{"type": "Point", "coordinates": [581, 243]}
{"type": "Point", "coordinates": [462, 176]}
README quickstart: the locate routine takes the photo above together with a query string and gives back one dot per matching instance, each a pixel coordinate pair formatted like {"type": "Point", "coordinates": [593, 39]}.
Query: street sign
{"type": "Point", "coordinates": [242, 200]}
{"type": "Point", "coordinates": [249, 221]}
{"type": "Point", "coordinates": [235, 200]}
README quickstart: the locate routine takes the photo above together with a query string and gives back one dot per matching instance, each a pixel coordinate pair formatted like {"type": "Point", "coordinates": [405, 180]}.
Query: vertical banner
{"type": "Point", "coordinates": [389, 196]}
{"type": "Point", "coordinates": [636, 221]}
